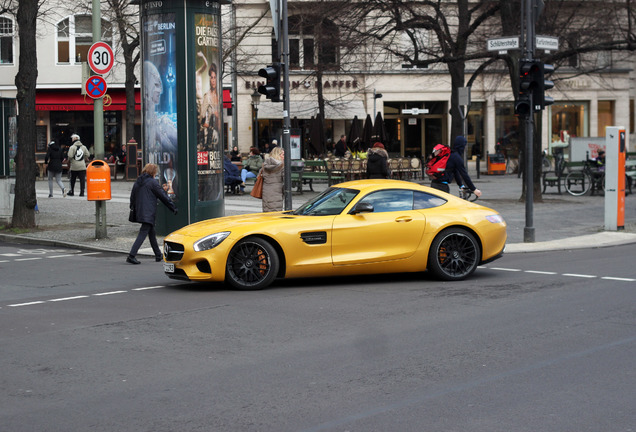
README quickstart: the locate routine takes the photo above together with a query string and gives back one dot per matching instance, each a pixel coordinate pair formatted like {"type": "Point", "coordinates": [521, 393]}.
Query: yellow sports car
{"type": "Point", "coordinates": [357, 227]}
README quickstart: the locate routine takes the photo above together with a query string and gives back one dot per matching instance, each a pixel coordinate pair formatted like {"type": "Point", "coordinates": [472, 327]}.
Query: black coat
{"type": "Point", "coordinates": [143, 199]}
{"type": "Point", "coordinates": [53, 158]}
{"type": "Point", "coordinates": [377, 163]}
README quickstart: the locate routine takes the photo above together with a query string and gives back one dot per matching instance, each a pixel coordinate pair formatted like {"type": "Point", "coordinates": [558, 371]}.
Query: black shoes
{"type": "Point", "coordinates": [70, 193]}
{"type": "Point", "coordinates": [158, 258]}
{"type": "Point", "coordinates": [132, 260]}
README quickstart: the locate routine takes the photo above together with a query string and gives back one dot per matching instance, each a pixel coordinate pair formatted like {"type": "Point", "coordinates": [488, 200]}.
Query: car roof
{"type": "Point", "coordinates": [379, 184]}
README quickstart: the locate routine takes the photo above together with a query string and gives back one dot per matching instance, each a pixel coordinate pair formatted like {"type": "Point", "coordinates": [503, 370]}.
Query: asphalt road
{"type": "Point", "coordinates": [532, 342]}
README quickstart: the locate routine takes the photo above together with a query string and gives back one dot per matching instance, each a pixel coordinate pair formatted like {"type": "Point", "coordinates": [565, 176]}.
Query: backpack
{"type": "Point", "coordinates": [79, 154]}
{"type": "Point", "coordinates": [436, 165]}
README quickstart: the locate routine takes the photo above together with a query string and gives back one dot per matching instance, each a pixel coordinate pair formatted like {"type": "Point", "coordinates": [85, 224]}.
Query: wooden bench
{"type": "Point", "coordinates": [315, 170]}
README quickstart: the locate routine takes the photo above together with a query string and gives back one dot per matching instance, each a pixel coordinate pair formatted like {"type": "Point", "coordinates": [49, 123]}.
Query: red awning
{"type": "Point", "coordinates": [73, 100]}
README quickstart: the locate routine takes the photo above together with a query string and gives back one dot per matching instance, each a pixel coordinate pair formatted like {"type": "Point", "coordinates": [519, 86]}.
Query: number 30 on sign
{"type": "Point", "coordinates": [100, 57]}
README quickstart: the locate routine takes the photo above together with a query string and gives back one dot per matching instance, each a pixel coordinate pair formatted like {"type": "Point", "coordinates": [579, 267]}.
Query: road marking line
{"type": "Point", "coordinates": [540, 272]}
{"type": "Point", "coordinates": [68, 298]}
{"type": "Point", "coordinates": [579, 275]}
{"type": "Point", "coordinates": [148, 288]}
{"type": "Point", "coordinates": [28, 259]}
{"type": "Point", "coordinates": [109, 293]}
{"type": "Point", "coordinates": [90, 253]}
{"type": "Point", "coordinates": [505, 269]}
{"type": "Point", "coordinates": [60, 256]}
{"type": "Point", "coordinates": [4, 261]}
{"type": "Point", "coordinates": [619, 279]}
{"type": "Point", "coordinates": [25, 304]}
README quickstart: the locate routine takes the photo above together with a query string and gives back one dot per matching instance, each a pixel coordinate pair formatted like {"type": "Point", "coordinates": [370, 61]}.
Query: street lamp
{"type": "Point", "coordinates": [375, 96]}
{"type": "Point", "coordinates": [256, 98]}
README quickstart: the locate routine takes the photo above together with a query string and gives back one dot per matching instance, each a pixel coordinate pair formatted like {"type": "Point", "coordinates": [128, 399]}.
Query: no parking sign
{"type": "Point", "coordinates": [96, 87]}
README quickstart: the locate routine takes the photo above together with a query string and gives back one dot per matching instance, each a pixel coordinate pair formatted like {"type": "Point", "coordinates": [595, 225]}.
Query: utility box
{"type": "Point", "coordinates": [496, 164]}
{"type": "Point", "coordinates": [98, 181]}
{"type": "Point", "coordinates": [132, 171]}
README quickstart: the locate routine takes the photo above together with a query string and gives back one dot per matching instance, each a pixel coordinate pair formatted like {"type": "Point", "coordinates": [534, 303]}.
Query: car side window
{"type": "Point", "coordinates": [390, 200]}
{"type": "Point", "coordinates": [423, 200]}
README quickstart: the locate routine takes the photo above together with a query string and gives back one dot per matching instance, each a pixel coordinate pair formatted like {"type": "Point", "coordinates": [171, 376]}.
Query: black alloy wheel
{"type": "Point", "coordinates": [252, 264]}
{"type": "Point", "coordinates": [454, 254]}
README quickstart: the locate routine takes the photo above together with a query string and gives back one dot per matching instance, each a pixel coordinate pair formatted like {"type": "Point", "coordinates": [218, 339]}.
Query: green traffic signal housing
{"type": "Point", "coordinates": [271, 89]}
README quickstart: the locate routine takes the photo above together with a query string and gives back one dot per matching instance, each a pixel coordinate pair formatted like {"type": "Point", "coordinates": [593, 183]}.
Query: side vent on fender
{"type": "Point", "coordinates": [319, 237]}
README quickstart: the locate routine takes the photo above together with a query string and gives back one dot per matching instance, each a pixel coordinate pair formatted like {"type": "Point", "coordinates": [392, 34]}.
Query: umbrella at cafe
{"type": "Point", "coordinates": [355, 132]}
{"type": "Point", "coordinates": [367, 132]}
{"type": "Point", "coordinates": [379, 130]}
{"type": "Point", "coordinates": [317, 135]}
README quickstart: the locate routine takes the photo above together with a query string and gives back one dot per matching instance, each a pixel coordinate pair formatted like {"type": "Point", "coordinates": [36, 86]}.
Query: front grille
{"type": "Point", "coordinates": [173, 251]}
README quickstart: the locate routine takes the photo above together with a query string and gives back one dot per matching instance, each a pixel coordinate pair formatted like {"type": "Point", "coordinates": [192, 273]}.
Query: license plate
{"type": "Point", "coordinates": [168, 267]}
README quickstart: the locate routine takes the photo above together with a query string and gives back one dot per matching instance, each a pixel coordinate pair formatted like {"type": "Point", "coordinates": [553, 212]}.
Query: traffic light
{"type": "Point", "coordinates": [271, 89]}
{"type": "Point", "coordinates": [532, 82]}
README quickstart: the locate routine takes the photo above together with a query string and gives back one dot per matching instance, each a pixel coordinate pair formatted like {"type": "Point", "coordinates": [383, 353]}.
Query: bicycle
{"type": "Point", "coordinates": [580, 182]}
{"type": "Point", "coordinates": [467, 194]}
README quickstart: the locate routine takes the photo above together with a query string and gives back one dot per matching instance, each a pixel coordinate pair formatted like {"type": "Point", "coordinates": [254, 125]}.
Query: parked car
{"type": "Point", "coordinates": [357, 227]}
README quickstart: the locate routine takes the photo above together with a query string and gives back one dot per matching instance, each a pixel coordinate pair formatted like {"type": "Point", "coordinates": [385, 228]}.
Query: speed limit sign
{"type": "Point", "coordinates": [100, 57]}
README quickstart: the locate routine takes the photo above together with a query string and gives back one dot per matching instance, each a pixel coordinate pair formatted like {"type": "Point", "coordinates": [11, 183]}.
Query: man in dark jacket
{"type": "Point", "coordinates": [455, 169]}
{"type": "Point", "coordinates": [53, 159]}
{"type": "Point", "coordinates": [143, 206]}
{"type": "Point", "coordinates": [341, 147]}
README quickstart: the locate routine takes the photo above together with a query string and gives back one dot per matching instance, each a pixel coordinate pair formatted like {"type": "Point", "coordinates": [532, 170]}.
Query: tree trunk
{"type": "Point", "coordinates": [25, 81]}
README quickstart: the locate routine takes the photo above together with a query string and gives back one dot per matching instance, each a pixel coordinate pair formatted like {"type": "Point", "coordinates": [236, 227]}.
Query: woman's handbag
{"type": "Point", "coordinates": [257, 190]}
{"type": "Point", "coordinates": [132, 216]}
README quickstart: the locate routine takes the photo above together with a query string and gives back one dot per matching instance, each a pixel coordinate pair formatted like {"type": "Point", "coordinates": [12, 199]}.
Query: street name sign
{"type": "Point", "coordinates": [415, 111]}
{"type": "Point", "coordinates": [503, 44]}
{"type": "Point", "coordinates": [547, 43]}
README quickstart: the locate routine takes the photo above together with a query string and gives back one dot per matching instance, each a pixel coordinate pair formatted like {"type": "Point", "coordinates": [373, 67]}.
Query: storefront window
{"type": "Point", "coordinates": [507, 129]}
{"type": "Point", "coordinates": [475, 126]}
{"type": "Point", "coordinates": [568, 120]}
{"type": "Point", "coordinates": [605, 116]}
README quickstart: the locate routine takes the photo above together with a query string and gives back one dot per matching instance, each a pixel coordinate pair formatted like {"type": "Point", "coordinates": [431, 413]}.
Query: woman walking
{"type": "Point", "coordinates": [143, 206]}
{"type": "Point", "coordinates": [273, 180]}
{"type": "Point", "coordinates": [377, 162]}
{"type": "Point", "coordinates": [53, 159]}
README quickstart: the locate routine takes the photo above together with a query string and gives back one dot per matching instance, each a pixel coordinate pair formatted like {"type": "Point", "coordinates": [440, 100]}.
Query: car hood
{"type": "Point", "coordinates": [228, 223]}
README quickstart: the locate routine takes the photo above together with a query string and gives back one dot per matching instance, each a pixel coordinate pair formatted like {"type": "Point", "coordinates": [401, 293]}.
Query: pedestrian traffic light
{"type": "Point", "coordinates": [271, 89]}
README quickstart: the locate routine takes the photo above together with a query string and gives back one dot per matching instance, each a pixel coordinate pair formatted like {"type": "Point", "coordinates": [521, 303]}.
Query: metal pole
{"type": "Point", "coordinates": [98, 128]}
{"type": "Point", "coordinates": [528, 230]}
{"type": "Point", "coordinates": [255, 138]}
{"type": "Point", "coordinates": [286, 117]}
{"type": "Point", "coordinates": [374, 99]}
{"type": "Point", "coordinates": [234, 80]}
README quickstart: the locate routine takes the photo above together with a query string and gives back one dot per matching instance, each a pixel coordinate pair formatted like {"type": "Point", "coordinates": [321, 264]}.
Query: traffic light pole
{"type": "Point", "coordinates": [286, 117]}
{"type": "Point", "coordinates": [528, 230]}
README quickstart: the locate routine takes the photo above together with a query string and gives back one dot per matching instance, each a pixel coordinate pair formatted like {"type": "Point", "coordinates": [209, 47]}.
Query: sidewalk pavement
{"type": "Point", "coordinates": [561, 222]}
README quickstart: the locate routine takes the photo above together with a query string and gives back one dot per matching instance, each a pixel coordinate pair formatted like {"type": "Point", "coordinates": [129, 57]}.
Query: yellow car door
{"type": "Point", "coordinates": [392, 231]}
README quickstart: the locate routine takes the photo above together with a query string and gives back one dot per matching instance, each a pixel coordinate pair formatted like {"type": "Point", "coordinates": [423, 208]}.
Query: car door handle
{"type": "Point", "coordinates": [404, 219]}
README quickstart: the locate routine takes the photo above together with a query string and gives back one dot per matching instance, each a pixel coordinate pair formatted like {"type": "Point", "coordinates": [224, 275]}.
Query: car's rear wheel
{"type": "Point", "coordinates": [252, 264]}
{"type": "Point", "coordinates": [454, 254]}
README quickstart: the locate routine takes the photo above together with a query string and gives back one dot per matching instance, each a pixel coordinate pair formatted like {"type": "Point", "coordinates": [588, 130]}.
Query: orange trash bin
{"type": "Point", "coordinates": [98, 181]}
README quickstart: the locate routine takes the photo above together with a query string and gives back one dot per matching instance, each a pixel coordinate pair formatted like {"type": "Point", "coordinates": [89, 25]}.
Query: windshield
{"type": "Point", "coordinates": [330, 202]}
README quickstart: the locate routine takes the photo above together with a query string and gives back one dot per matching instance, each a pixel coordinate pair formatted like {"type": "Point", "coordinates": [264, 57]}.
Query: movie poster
{"type": "Point", "coordinates": [160, 98]}
{"type": "Point", "coordinates": [209, 107]}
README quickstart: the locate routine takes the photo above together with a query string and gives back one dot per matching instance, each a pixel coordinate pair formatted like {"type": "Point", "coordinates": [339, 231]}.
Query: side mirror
{"type": "Point", "coordinates": [362, 207]}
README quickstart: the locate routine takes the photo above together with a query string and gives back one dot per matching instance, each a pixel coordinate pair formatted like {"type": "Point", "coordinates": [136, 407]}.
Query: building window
{"type": "Point", "coordinates": [75, 37]}
{"type": "Point", "coordinates": [6, 40]}
{"type": "Point", "coordinates": [311, 44]}
{"type": "Point", "coordinates": [507, 130]}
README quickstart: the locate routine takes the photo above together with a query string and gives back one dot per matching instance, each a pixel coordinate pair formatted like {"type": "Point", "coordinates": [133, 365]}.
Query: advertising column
{"type": "Point", "coordinates": [181, 96]}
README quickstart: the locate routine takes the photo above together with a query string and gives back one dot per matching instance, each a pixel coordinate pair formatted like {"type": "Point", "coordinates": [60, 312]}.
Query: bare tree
{"type": "Point", "coordinates": [126, 18]}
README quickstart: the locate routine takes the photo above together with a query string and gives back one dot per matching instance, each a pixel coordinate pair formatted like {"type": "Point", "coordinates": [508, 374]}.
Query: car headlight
{"type": "Point", "coordinates": [211, 241]}
{"type": "Point", "coordinates": [495, 218]}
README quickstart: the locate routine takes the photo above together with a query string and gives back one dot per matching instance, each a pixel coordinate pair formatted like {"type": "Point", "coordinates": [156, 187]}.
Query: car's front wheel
{"type": "Point", "coordinates": [252, 264]}
{"type": "Point", "coordinates": [454, 254]}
